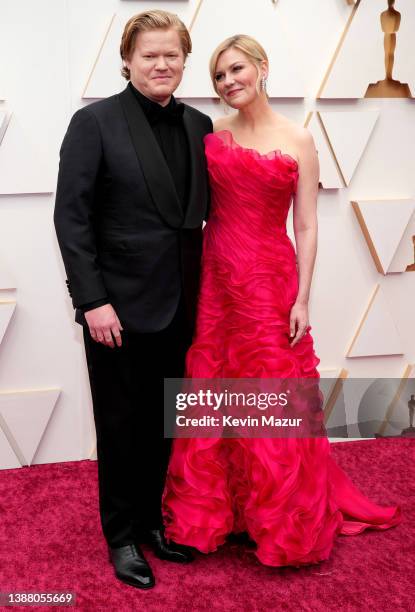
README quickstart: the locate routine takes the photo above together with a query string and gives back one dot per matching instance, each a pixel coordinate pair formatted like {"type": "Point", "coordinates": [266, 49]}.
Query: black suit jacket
{"type": "Point", "coordinates": [120, 226]}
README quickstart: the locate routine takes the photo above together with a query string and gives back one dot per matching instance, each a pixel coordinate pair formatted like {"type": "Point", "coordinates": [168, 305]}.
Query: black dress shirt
{"type": "Point", "coordinates": [167, 125]}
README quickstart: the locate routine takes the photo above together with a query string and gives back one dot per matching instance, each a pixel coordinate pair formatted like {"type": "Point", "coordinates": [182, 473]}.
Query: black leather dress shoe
{"type": "Point", "coordinates": [241, 538]}
{"type": "Point", "coordinates": [168, 551]}
{"type": "Point", "coordinates": [131, 567]}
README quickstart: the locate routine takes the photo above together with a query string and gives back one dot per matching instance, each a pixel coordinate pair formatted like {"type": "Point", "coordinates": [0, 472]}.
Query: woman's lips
{"type": "Point", "coordinates": [233, 92]}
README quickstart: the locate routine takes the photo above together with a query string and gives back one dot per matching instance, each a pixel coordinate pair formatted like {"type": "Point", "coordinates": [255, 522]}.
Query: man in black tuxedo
{"type": "Point", "coordinates": [131, 198]}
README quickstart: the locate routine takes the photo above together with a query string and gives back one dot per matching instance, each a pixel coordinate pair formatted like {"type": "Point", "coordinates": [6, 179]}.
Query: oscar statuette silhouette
{"type": "Point", "coordinates": [409, 432]}
{"type": "Point", "coordinates": [390, 21]}
{"type": "Point", "coordinates": [411, 267]}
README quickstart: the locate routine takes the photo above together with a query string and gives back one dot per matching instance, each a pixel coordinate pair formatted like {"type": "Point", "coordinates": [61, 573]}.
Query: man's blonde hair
{"type": "Point", "coordinates": [151, 20]}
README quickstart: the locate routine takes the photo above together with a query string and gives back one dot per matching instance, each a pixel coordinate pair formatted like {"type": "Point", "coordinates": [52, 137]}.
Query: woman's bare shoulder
{"type": "Point", "coordinates": [298, 134]}
{"type": "Point", "coordinates": [305, 140]}
{"type": "Point", "coordinates": [291, 127]}
{"type": "Point", "coordinates": [222, 123]}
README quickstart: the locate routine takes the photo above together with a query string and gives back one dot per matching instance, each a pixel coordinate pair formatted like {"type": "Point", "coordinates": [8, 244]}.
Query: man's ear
{"type": "Point", "coordinates": [126, 63]}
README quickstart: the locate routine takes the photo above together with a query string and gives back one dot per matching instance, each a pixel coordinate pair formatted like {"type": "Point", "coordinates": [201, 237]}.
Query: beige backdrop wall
{"type": "Point", "coordinates": [58, 55]}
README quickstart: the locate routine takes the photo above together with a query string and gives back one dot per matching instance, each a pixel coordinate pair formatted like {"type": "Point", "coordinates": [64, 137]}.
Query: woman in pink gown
{"type": "Point", "coordinates": [288, 494]}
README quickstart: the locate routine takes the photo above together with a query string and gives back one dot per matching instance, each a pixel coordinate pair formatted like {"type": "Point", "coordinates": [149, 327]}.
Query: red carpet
{"type": "Point", "coordinates": [50, 539]}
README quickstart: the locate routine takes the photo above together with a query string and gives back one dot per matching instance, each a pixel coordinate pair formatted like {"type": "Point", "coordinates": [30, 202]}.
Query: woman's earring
{"type": "Point", "coordinates": [264, 84]}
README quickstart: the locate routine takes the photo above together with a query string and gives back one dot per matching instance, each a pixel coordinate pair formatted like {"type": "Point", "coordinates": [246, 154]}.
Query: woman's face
{"type": "Point", "coordinates": [236, 78]}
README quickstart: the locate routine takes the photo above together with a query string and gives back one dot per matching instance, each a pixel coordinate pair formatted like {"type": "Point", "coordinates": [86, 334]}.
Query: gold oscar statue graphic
{"type": "Point", "coordinates": [409, 432]}
{"type": "Point", "coordinates": [411, 266]}
{"type": "Point", "coordinates": [390, 20]}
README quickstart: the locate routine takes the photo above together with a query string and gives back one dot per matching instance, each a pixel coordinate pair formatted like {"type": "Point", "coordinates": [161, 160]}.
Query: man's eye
{"type": "Point", "coordinates": [172, 55]}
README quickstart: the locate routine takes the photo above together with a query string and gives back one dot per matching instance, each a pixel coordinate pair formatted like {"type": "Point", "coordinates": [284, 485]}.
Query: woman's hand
{"type": "Point", "coordinates": [298, 322]}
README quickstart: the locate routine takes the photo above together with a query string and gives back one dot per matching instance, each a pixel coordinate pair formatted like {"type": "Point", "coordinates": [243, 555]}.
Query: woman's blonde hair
{"type": "Point", "coordinates": [152, 20]}
{"type": "Point", "coordinates": [248, 45]}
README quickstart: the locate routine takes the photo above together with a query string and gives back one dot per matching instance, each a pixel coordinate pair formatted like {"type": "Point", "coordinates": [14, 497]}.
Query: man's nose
{"type": "Point", "coordinates": [161, 63]}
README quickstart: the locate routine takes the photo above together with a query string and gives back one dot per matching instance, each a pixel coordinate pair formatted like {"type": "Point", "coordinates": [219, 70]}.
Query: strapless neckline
{"type": "Point", "coordinates": [275, 153]}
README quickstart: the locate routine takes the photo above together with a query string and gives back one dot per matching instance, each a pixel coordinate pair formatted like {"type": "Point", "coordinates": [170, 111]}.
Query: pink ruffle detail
{"type": "Point", "coordinates": [288, 494]}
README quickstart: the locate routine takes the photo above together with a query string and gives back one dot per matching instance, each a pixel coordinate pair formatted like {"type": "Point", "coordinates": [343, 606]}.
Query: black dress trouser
{"type": "Point", "coordinates": [127, 394]}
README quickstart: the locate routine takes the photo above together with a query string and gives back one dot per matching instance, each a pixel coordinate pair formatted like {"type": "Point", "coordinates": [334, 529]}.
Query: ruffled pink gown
{"type": "Point", "coordinates": [287, 493]}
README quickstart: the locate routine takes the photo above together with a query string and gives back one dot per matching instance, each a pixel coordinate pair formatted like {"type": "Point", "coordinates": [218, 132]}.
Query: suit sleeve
{"type": "Point", "coordinates": [92, 305]}
{"type": "Point", "coordinates": [209, 129]}
{"type": "Point", "coordinates": [80, 159]}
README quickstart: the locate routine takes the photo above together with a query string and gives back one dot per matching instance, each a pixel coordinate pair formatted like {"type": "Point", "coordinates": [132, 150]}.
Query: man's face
{"type": "Point", "coordinates": [156, 64]}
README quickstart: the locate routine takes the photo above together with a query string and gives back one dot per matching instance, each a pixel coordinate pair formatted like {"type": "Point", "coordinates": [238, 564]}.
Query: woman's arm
{"type": "Point", "coordinates": [305, 230]}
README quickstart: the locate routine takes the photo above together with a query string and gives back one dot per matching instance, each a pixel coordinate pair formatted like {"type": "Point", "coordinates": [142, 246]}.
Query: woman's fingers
{"type": "Point", "coordinates": [301, 330]}
{"type": "Point", "coordinates": [292, 326]}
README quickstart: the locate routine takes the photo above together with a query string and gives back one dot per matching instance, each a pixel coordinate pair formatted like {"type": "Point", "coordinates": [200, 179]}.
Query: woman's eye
{"type": "Point", "coordinates": [237, 67]}
{"type": "Point", "coordinates": [218, 77]}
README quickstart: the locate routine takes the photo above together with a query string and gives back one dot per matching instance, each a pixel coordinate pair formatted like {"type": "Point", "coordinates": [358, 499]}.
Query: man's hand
{"type": "Point", "coordinates": [104, 325]}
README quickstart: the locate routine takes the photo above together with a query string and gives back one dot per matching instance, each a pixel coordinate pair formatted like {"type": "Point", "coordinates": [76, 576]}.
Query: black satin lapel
{"type": "Point", "coordinates": [198, 192]}
{"type": "Point", "coordinates": [153, 164]}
